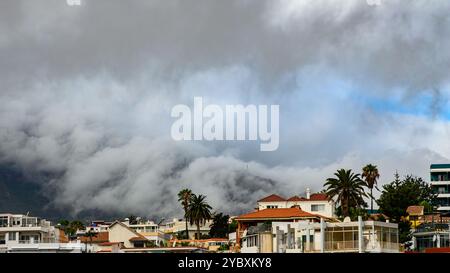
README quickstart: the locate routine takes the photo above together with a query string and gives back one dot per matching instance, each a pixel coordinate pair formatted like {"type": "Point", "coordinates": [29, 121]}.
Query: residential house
{"type": "Point", "coordinates": [24, 233]}
{"type": "Point", "coordinates": [175, 227]}
{"type": "Point", "coordinates": [431, 235]}
{"type": "Point", "coordinates": [260, 221]}
{"type": "Point", "coordinates": [129, 238]}
{"type": "Point", "coordinates": [151, 231]}
{"type": "Point", "coordinates": [415, 215]}
{"type": "Point", "coordinates": [309, 236]}
{"type": "Point", "coordinates": [96, 242]}
{"type": "Point", "coordinates": [317, 203]}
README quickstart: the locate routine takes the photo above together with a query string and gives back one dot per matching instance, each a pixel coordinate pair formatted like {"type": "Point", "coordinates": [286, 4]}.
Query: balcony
{"type": "Point", "coordinates": [440, 183]}
{"type": "Point", "coordinates": [344, 246]}
{"type": "Point", "coordinates": [25, 226]}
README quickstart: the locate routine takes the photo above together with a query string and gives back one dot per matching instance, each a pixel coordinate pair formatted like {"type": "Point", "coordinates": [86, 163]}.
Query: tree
{"type": "Point", "coordinates": [77, 225]}
{"type": "Point", "coordinates": [370, 175]}
{"type": "Point", "coordinates": [398, 195]}
{"type": "Point", "coordinates": [63, 223]}
{"type": "Point", "coordinates": [232, 227]}
{"type": "Point", "coordinates": [198, 212]}
{"type": "Point", "coordinates": [90, 234]}
{"type": "Point", "coordinates": [70, 228]}
{"type": "Point", "coordinates": [132, 220]}
{"type": "Point", "coordinates": [348, 188]}
{"type": "Point", "coordinates": [219, 226]}
{"type": "Point", "coordinates": [185, 196]}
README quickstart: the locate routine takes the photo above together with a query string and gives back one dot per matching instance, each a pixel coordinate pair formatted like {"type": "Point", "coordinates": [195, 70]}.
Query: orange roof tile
{"type": "Point", "coordinates": [100, 237]}
{"type": "Point", "coordinates": [138, 239]}
{"type": "Point", "coordinates": [318, 197]}
{"type": "Point", "coordinates": [284, 213]}
{"type": "Point", "coordinates": [109, 243]}
{"type": "Point", "coordinates": [415, 210]}
{"type": "Point", "coordinates": [296, 198]}
{"type": "Point", "coordinates": [272, 198]}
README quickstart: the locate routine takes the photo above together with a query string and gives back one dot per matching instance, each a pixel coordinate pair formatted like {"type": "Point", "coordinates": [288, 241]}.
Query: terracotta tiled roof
{"type": "Point", "coordinates": [272, 198]}
{"type": "Point", "coordinates": [289, 213]}
{"type": "Point", "coordinates": [318, 197]}
{"type": "Point", "coordinates": [199, 241]}
{"type": "Point", "coordinates": [100, 237]}
{"type": "Point", "coordinates": [415, 210]}
{"type": "Point", "coordinates": [109, 243]}
{"type": "Point", "coordinates": [296, 198]}
{"type": "Point", "coordinates": [138, 239]}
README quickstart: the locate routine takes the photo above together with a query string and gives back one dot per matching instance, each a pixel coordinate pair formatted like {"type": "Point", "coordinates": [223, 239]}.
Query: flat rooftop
{"type": "Point", "coordinates": [440, 166]}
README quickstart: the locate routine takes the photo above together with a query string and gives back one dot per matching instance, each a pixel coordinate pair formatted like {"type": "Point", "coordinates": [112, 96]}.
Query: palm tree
{"type": "Point", "coordinates": [199, 212]}
{"type": "Point", "coordinates": [91, 233]}
{"type": "Point", "coordinates": [348, 188]}
{"type": "Point", "coordinates": [370, 175]}
{"type": "Point", "coordinates": [219, 226]}
{"type": "Point", "coordinates": [132, 219]}
{"type": "Point", "coordinates": [185, 196]}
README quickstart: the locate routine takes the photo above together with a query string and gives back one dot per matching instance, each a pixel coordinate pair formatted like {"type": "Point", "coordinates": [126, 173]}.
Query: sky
{"type": "Point", "coordinates": [86, 94]}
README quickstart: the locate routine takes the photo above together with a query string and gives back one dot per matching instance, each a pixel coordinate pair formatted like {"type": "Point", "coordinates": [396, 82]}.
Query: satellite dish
{"type": "Point", "coordinates": [347, 220]}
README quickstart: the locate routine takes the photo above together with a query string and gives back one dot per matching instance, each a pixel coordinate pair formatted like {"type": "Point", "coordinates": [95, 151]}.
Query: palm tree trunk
{"type": "Point", "coordinates": [371, 201]}
{"type": "Point", "coordinates": [345, 207]}
{"type": "Point", "coordinates": [187, 229]}
{"type": "Point", "coordinates": [198, 230]}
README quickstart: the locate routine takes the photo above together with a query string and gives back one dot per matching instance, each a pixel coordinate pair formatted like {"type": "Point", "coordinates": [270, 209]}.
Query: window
{"type": "Point", "coordinates": [317, 207]}
{"type": "Point", "coordinates": [3, 221]}
{"type": "Point", "coordinates": [11, 236]}
{"type": "Point", "coordinates": [272, 207]}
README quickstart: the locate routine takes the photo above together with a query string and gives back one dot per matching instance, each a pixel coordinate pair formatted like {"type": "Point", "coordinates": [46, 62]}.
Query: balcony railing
{"type": "Point", "coordinates": [341, 245]}
{"type": "Point", "coordinates": [26, 242]}
{"type": "Point", "coordinates": [39, 224]}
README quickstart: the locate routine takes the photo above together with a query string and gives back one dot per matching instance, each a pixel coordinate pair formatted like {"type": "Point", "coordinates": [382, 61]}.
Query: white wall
{"type": "Point", "coordinates": [329, 210]}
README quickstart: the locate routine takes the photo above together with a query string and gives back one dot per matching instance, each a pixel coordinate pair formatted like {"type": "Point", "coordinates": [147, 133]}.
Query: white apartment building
{"type": "Point", "coordinates": [324, 237]}
{"type": "Point", "coordinates": [149, 230]}
{"type": "Point", "coordinates": [176, 226]}
{"type": "Point", "coordinates": [440, 183]}
{"type": "Point", "coordinates": [316, 203]}
{"type": "Point", "coordinates": [23, 233]}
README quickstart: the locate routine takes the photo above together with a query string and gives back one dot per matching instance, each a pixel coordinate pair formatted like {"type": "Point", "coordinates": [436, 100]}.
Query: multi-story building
{"type": "Point", "coordinates": [23, 233]}
{"type": "Point", "coordinates": [440, 182]}
{"type": "Point", "coordinates": [308, 236]}
{"type": "Point", "coordinates": [317, 203]}
{"type": "Point", "coordinates": [151, 231]}
{"type": "Point", "coordinates": [178, 226]}
{"type": "Point", "coordinates": [25, 229]}
{"type": "Point", "coordinates": [251, 223]}
{"type": "Point", "coordinates": [431, 235]}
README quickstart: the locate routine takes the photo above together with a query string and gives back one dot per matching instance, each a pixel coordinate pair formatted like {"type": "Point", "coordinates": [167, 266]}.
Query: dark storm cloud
{"type": "Point", "coordinates": [395, 43]}
{"type": "Point", "coordinates": [86, 94]}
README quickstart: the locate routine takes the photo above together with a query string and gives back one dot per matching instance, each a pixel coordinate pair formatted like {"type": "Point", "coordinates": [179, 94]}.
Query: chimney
{"type": "Point", "coordinates": [308, 193]}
